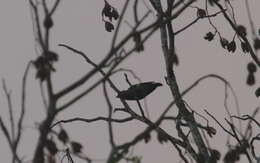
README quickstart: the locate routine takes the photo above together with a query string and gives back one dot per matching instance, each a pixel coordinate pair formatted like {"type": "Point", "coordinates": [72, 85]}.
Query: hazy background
{"type": "Point", "coordinates": [79, 24]}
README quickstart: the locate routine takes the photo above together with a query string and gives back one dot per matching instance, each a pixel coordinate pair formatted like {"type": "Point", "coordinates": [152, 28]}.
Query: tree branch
{"type": "Point", "coordinates": [93, 120]}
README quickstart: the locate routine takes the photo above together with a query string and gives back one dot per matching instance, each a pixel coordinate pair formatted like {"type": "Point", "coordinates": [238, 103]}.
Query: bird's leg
{"type": "Point", "coordinates": [140, 107]}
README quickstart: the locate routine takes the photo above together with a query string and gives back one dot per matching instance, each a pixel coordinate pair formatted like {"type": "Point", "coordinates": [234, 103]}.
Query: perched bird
{"type": "Point", "coordinates": [138, 91]}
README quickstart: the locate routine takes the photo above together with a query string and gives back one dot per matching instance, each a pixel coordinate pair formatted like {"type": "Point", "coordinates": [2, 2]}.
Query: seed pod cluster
{"type": "Point", "coordinates": [251, 68]}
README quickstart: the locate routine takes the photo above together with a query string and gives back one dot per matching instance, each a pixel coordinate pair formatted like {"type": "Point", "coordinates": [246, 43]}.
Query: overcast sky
{"type": "Point", "coordinates": [79, 24]}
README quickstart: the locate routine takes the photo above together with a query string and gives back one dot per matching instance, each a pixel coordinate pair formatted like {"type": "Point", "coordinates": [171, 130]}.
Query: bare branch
{"type": "Point", "coordinates": [10, 108]}
{"type": "Point", "coordinates": [54, 7]}
{"type": "Point", "coordinates": [23, 100]}
{"type": "Point", "coordinates": [94, 65]}
{"type": "Point", "coordinates": [135, 11]}
{"type": "Point", "coordinates": [251, 51]}
{"type": "Point", "coordinates": [110, 111]}
{"type": "Point", "coordinates": [119, 24]}
{"type": "Point", "coordinates": [247, 117]}
{"type": "Point", "coordinates": [256, 138]}
{"type": "Point", "coordinates": [93, 120]}
{"type": "Point", "coordinates": [37, 22]}
{"type": "Point", "coordinates": [6, 133]}
{"type": "Point", "coordinates": [219, 123]}
{"type": "Point", "coordinates": [250, 18]}
{"type": "Point", "coordinates": [194, 21]}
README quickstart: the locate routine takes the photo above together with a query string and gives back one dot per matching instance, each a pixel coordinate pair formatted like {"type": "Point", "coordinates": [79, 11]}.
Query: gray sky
{"type": "Point", "coordinates": [78, 24]}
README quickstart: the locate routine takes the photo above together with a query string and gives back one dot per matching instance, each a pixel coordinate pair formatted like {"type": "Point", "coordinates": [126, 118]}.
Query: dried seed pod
{"type": "Point", "coordinates": [257, 43]}
{"type": "Point", "coordinates": [250, 79]}
{"type": "Point", "coordinates": [241, 30]}
{"type": "Point", "coordinates": [257, 92]}
{"type": "Point", "coordinates": [76, 147]}
{"type": "Point", "coordinates": [201, 13]}
{"type": "Point", "coordinates": [48, 22]}
{"type": "Point", "coordinates": [109, 26]}
{"type": "Point", "coordinates": [209, 36]}
{"type": "Point", "coordinates": [232, 46]}
{"type": "Point", "coordinates": [251, 67]}
{"type": "Point", "coordinates": [51, 146]}
{"type": "Point", "coordinates": [224, 42]}
{"type": "Point", "coordinates": [245, 47]}
{"type": "Point", "coordinates": [63, 136]}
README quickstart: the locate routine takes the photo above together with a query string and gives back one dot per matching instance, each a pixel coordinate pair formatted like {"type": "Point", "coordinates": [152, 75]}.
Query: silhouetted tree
{"type": "Point", "coordinates": [50, 135]}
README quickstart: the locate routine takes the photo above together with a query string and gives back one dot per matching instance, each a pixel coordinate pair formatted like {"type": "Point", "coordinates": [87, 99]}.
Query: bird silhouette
{"type": "Point", "coordinates": [138, 91]}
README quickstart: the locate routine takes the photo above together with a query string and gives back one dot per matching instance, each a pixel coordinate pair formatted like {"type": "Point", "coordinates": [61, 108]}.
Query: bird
{"type": "Point", "coordinates": [138, 91]}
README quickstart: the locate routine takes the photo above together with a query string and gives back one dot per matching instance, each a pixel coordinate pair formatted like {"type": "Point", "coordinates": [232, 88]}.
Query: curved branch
{"type": "Point", "coordinates": [93, 120]}
{"type": "Point", "coordinates": [248, 117]}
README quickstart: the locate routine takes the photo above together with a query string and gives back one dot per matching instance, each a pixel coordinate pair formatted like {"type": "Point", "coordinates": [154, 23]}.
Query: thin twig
{"type": "Point", "coordinates": [54, 7]}
{"type": "Point", "coordinates": [6, 133]}
{"type": "Point", "coordinates": [119, 24]}
{"type": "Point", "coordinates": [140, 107]}
{"type": "Point", "coordinates": [247, 117]}
{"type": "Point", "coordinates": [37, 22]}
{"type": "Point", "coordinates": [10, 108]}
{"type": "Point", "coordinates": [92, 63]}
{"type": "Point", "coordinates": [251, 51]}
{"type": "Point", "coordinates": [110, 108]}
{"type": "Point", "coordinates": [92, 120]}
{"type": "Point", "coordinates": [238, 140]}
{"type": "Point", "coordinates": [194, 21]}
{"type": "Point", "coordinates": [135, 7]}
{"type": "Point", "coordinates": [23, 101]}
{"type": "Point", "coordinates": [250, 18]}
{"type": "Point", "coordinates": [219, 123]}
